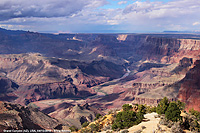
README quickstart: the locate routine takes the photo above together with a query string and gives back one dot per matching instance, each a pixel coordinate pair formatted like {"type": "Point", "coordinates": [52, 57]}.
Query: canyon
{"type": "Point", "coordinates": [76, 76]}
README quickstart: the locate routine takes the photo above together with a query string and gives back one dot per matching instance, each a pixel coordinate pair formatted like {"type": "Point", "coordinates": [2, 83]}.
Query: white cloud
{"type": "Point", "coordinates": [17, 13]}
{"type": "Point", "coordinates": [112, 22]}
{"type": "Point", "coordinates": [196, 23]}
{"type": "Point", "coordinates": [44, 8]}
{"type": "Point", "coordinates": [122, 2]}
{"type": "Point", "coordinates": [14, 27]}
{"type": "Point", "coordinates": [81, 15]}
{"type": "Point", "coordinates": [175, 15]}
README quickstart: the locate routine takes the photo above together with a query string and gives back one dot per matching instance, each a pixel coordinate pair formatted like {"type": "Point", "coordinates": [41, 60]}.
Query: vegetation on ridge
{"type": "Point", "coordinates": [173, 118]}
{"type": "Point", "coordinates": [127, 118]}
{"type": "Point", "coordinates": [130, 115]}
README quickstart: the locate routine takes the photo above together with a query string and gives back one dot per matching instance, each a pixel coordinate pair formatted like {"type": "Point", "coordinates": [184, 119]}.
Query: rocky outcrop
{"type": "Point", "coordinates": [147, 66]}
{"type": "Point", "coordinates": [162, 46]}
{"type": "Point", "coordinates": [184, 88]}
{"type": "Point", "coordinates": [189, 44]}
{"type": "Point", "coordinates": [184, 65]}
{"type": "Point", "coordinates": [189, 48]}
{"type": "Point", "coordinates": [149, 85]}
{"type": "Point", "coordinates": [190, 88]}
{"type": "Point", "coordinates": [149, 101]}
{"type": "Point", "coordinates": [7, 87]}
{"type": "Point", "coordinates": [161, 73]}
{"type": "Point", "coordinates": [76, 115]}
{"type": "Point", "coordinates": [106, 39]}
{"type": "Point", "coordinates": [14, 116]}
{"type": "Point", "coordinates": [156, 83]}
{"type": "Point", "coordinates": [122, 37]}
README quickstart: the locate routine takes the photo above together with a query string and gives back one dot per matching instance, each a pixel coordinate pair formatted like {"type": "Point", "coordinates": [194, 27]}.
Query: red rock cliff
{"type": "Point", "coordinates": [190, 88]}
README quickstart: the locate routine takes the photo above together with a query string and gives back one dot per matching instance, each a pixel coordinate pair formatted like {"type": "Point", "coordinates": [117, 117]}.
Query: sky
{"type": "Point", "coordinates": [100, 16]}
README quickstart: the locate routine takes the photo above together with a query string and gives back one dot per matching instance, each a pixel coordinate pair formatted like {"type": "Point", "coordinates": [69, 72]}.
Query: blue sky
{"type": "Point", "coordinates": [115, 3]}
{"type": "Point", "coordinates": [100, 16]}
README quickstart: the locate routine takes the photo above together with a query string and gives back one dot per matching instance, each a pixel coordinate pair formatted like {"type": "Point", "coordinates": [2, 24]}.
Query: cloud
{"type": "Point", "coordinates": [159, 16]}
{"type": "Point", "coordinates": [44, 8]}
{"type": "Point", "coordinates": [139, 7]}
{"type": "Point", "coordinates": [196, 23]}
{"type": "Point", "coordinates": [86, 16]}
{"type": "Point", "coordinates": [122, 2]}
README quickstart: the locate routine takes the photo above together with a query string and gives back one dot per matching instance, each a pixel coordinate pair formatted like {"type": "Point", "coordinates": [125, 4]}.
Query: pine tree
{"type": "Point", "coordinates": [162, 106]}
{"type": "Point", "coordinates": [173, 112]}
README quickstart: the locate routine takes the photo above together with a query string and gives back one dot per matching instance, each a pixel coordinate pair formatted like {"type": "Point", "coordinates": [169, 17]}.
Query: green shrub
{"type": "Point", "coordinates": [195, 113]}
{"type": "Point", "coordinates": [73, 129]}
{"type": "Point", "coordinates": [110, 112]}
{"type": "Point", "coordinates": [152, 109]}
{"type": "Point", "coordinates": [94, 127]}
{"type": "Point", "coordinates": [104, 118]}
{"type": "Point", "coordinates": [197, 126]}
{"type": "Point", "coordinates": [162, 106]}
{"type": "Point", "coordinates": [86, 131]}
{"type": "Point", "coordinates": [139, 118]}
{"type": "Point", "coordinates": [85, 124]}
{"type": "Point", "coordinates": [142, 108]}
{"type": "Point", "coordinates": [126, 119]}
{"type": "Point", "coordinates": [114, 126]}
{"type": "Point", "coordinates": [97, 116]}
{"type": "Point", "coordinates": [136, 104]}
{"type": "Point", "coordinates": [126, 107]}
{"type": "Point", "coordinates": [181, 105]}
{"type": "Point", "coordinates": [173, 112]}
{"type": "Point", "coordinates": [191, 124]}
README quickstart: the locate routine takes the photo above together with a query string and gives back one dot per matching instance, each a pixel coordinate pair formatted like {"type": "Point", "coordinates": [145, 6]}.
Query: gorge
{"type": "Point", "coordinates": [77, 74]}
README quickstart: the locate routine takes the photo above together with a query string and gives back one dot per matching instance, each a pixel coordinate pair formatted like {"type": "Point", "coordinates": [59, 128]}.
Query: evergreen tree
{"type": "Point", "coordinates": [85, 124]}
{"type": "Point", "coordinates": [181, 105]}
{"type": "Point", "coordinates": [173, 112]}
{"type": "Point", "coordinates": [127, 118]}
{"type": "Point", "coordinates": [97, 116]}
{"type": "Point", "coordinates": [126, 107]}
{"type": "Point", "coordinates": [73, 129]}
{"type": "Point", "coordinates": [162, 106]}
{"type": "Point", "coordinates": [195, 113]}
{"type": "Point", "coordinates": [142, 108]}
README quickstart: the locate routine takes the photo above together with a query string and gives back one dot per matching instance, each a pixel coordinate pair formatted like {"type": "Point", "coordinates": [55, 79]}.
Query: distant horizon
{"type": "Point", "coordinates": [54, 32]}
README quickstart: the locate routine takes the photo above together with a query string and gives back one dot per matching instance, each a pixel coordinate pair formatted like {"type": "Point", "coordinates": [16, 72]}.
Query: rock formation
{"type": "Point", "coordinates": [6, 88]}
{"type": "Point", "coordinates": [190, 88]}
{"type": "Point", "coordinates": [14, 116]}
{"type": "Point", "coordinates": [70, 113]}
